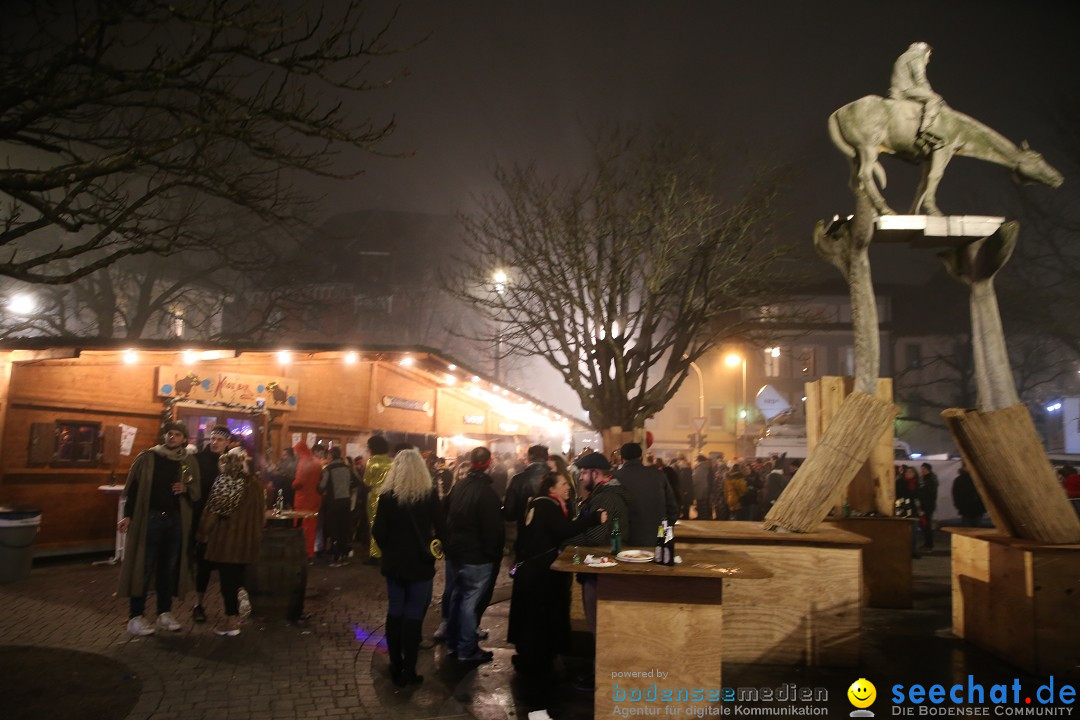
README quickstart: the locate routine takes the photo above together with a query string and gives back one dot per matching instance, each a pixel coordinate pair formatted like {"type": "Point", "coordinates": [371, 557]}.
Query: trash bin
{"type": "Point", "coordinates": [18, 528]}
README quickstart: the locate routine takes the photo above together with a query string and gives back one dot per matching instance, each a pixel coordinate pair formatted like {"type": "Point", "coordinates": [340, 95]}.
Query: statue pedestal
{"type": "Point", "coordinates": [931, 231]}
{"type": "Point", "coordinates": [1017, 599]}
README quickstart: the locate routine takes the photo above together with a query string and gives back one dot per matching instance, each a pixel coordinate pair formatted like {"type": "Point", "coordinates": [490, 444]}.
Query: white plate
{"type": "Point", "coordinates": [635, 556]}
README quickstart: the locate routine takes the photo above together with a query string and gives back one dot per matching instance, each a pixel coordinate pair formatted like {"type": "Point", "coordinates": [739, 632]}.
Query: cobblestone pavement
{"type": "Point", "coordinates": [329, 666]}
{"type": "Point", "coordinates": [332, 666]}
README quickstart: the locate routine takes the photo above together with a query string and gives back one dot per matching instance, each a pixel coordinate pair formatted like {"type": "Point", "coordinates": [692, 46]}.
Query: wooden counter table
{"type": "Point", "coordinates": [660, 627]}
{"type": "Point", "coordinates": [886, 560]}
{"type": "Point", "coordinates": [808, 612]}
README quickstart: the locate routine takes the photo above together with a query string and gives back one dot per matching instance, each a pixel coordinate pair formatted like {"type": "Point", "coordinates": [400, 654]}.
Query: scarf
{"type": "Point", "coordinates": [177, 455]}
{"type": "Point", "coordinates": [562, 504]}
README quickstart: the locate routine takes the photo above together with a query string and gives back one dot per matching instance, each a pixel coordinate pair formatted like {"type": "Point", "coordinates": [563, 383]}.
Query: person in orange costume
{"type": "Point", "coordinates": [306, 485]}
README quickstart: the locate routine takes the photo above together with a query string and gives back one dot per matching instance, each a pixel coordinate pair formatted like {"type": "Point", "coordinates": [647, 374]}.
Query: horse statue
{"type": "Point", "coordinates": [872, 125]}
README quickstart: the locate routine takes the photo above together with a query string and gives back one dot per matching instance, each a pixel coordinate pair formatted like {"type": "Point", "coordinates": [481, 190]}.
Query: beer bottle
{"type": "Point", "coordinates": [616, 537]}
{"type": "Point", "coordinates": [280, 504]}
{"type": "Point", "coordinates": [669, 546]}
{"type": "Point", "coordinates": [661, 534]}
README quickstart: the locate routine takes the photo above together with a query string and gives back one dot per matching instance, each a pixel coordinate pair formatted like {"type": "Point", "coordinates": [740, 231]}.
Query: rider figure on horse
{"type": "Point", "coordinates": [909, 83]}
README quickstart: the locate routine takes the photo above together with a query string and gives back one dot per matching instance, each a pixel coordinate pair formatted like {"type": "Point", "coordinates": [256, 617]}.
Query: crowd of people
{"type": "Point", "coordinates": [189, 513]}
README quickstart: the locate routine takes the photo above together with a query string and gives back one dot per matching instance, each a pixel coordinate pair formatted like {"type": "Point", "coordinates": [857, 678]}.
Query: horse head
{"type": "Point", "coordinates": [1031, 167]}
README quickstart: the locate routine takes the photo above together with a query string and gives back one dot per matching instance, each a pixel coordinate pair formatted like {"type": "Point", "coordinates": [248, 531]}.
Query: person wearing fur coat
{"type": "Point", "coordinates": [162, 484]}
{"type": "Point", "coordinates": [231, 527]}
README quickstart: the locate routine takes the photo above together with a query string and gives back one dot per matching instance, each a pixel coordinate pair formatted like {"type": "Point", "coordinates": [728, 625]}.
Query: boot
{"type": "Point", "coordinates": [410, 645]}
{"type": "Point", "coordinates": [393, 647]}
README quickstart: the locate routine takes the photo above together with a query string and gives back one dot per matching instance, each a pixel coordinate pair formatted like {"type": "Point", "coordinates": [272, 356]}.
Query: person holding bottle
{"type": "Point", "coordinates": [601, 492]}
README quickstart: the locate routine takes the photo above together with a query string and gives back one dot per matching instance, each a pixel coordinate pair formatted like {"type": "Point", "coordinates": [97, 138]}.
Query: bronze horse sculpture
{"type": "Point", "coordinates": [872, 125]}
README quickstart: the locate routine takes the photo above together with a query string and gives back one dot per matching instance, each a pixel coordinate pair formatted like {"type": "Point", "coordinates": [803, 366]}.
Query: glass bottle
{"type": "Point", "coordinates": [616, 537]}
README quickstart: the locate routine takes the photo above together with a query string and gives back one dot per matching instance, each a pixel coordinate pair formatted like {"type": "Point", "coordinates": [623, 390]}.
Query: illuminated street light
{"type": "Point", "coordinates": [735, 360]}
{"type": "Point", "coordinates": [1053, 407]}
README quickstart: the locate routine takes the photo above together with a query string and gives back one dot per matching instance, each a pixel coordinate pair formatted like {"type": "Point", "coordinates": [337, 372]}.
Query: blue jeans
{"type": "Point", "coordinates": [163, 538]}
{"type": "Point", "coordinates": [408, 598]}
{"type": "Point", "coordinates": [448, 588]}
{"type": "Point", "coordinates": [470, 584]}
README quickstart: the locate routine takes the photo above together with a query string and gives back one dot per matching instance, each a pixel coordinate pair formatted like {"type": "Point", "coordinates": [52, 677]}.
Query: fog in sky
{"type": "Point", "coordinates": [502, 82]}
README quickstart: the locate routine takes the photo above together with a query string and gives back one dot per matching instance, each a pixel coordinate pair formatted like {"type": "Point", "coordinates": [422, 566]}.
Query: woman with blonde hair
{"type": "Point", "coordinates": [408, 519]}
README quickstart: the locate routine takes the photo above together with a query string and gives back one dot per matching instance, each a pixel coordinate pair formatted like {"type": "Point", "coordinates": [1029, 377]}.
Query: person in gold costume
{"type": "Point", "coordinates": [377, 467]}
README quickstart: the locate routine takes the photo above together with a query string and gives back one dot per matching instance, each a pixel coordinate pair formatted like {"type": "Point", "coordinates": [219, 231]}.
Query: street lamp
{"type": "Point", "coordinates": [699, 421]}
{"type": "Point", "coordinates": [734, 360]}
{"type": "Point", "coordinates": [500, 279]}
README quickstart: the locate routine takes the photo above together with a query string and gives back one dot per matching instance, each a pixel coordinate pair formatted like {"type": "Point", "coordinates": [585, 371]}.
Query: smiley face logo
{"type": "Point", "coordinates": [862, 693]}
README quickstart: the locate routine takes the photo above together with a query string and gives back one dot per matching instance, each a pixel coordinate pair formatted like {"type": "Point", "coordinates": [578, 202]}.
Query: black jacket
{"type": "Point", "coordinates": [404, 534]}
{"type": "Point", "coordinates": [612, 497]}
{"type": "Point", "coordinates": [523, 488]}
{"type": "Point", "coordinates": [474, 526]}
{"type": "Point", "coordinates": [651, 502]}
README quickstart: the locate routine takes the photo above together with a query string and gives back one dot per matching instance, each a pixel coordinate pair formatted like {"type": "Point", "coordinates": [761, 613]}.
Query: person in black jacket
{"type": "Point", "coordinates": [407, 519]}
{"type": "Point", "coordinates": [540, 603]}
{"type": "Point", "coordinates": [475, 537]}
{"type": "Point", "coordinates": [967, 500]}
{"type": "Point", "coordinates": [523, 487]}
{"type": "Point", "coordinates": [651, 498]}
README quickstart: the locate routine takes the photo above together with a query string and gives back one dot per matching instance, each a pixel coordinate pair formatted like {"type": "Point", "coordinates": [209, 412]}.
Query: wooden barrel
{"type": "Point", "coordinates": [276, 584]}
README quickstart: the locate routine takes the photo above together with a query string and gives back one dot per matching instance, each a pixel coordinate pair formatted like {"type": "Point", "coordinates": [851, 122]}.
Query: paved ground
{"type": "Point", "coordinates": [64, 653]}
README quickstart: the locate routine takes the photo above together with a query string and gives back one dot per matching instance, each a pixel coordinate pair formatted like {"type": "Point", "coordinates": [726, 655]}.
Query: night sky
{"type": "Point", "coordinates": [505, 82]}
{"type": "Point", "coordinates": [522, 82]}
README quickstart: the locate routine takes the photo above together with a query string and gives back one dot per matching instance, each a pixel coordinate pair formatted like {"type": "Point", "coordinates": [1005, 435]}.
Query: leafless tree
{"type": "Point", "coordinates": [621, 277]}
{"type": "Point", "coordinates": [131, 126]}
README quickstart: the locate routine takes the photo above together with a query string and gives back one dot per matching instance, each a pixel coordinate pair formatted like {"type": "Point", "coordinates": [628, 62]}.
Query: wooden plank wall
{"type": "Point", "coordinates": [808, 613]}
{"type": "Point", "coordinates": [1018, 602]}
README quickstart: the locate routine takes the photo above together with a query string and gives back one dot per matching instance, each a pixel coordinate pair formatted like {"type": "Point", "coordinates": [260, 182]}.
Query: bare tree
{"type": "Point", "coordinates": [623, 276]}
{"type": "Point", "coordinates": [130, 126]}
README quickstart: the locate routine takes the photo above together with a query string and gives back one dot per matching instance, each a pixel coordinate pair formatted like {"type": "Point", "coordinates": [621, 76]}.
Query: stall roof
{"type": "Point", "coordinates": [424, 359]}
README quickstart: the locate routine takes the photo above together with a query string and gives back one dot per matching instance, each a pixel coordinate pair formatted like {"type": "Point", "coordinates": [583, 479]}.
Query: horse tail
{"type": "Point", "coordinates": [838, 138]}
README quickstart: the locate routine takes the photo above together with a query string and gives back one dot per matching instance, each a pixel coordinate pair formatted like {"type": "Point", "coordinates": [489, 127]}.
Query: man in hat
{"type": "Point", "coordinates": [162, 484]}
{"type": "Point", "coordinates": [600, 492]}
{"type": "Point", "coordinates": [207, 458]}
{"type": "Point", "coordinates": [651, 498]}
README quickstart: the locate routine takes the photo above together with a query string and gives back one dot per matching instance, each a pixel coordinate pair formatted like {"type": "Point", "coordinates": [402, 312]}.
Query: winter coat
{"type": "Point", "coordinates": [141, 477]}
{"type": "Point", "coordinates": [337, 481]}
{"type": "Point", "coordinates": [404, 533]}
{"type": "Point", "coordinates": [651, 501]}
{"type": "Point", "coordinates": [612, 497]}
{"type": "Point", "coordinates": [237, 537]}
{"type": "Point", "coordinates": [475, 532]}
{"type": "Point", "coordinates": [928, 490]}
{"type": "Point", "coordinates": [966, 496]}
{"type": "Point", "coordinates": [703, 479]}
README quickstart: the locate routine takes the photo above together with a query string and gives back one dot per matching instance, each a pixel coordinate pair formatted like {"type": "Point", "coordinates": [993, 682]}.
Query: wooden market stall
{"type": "Point", "coordinates": [73, 418]}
